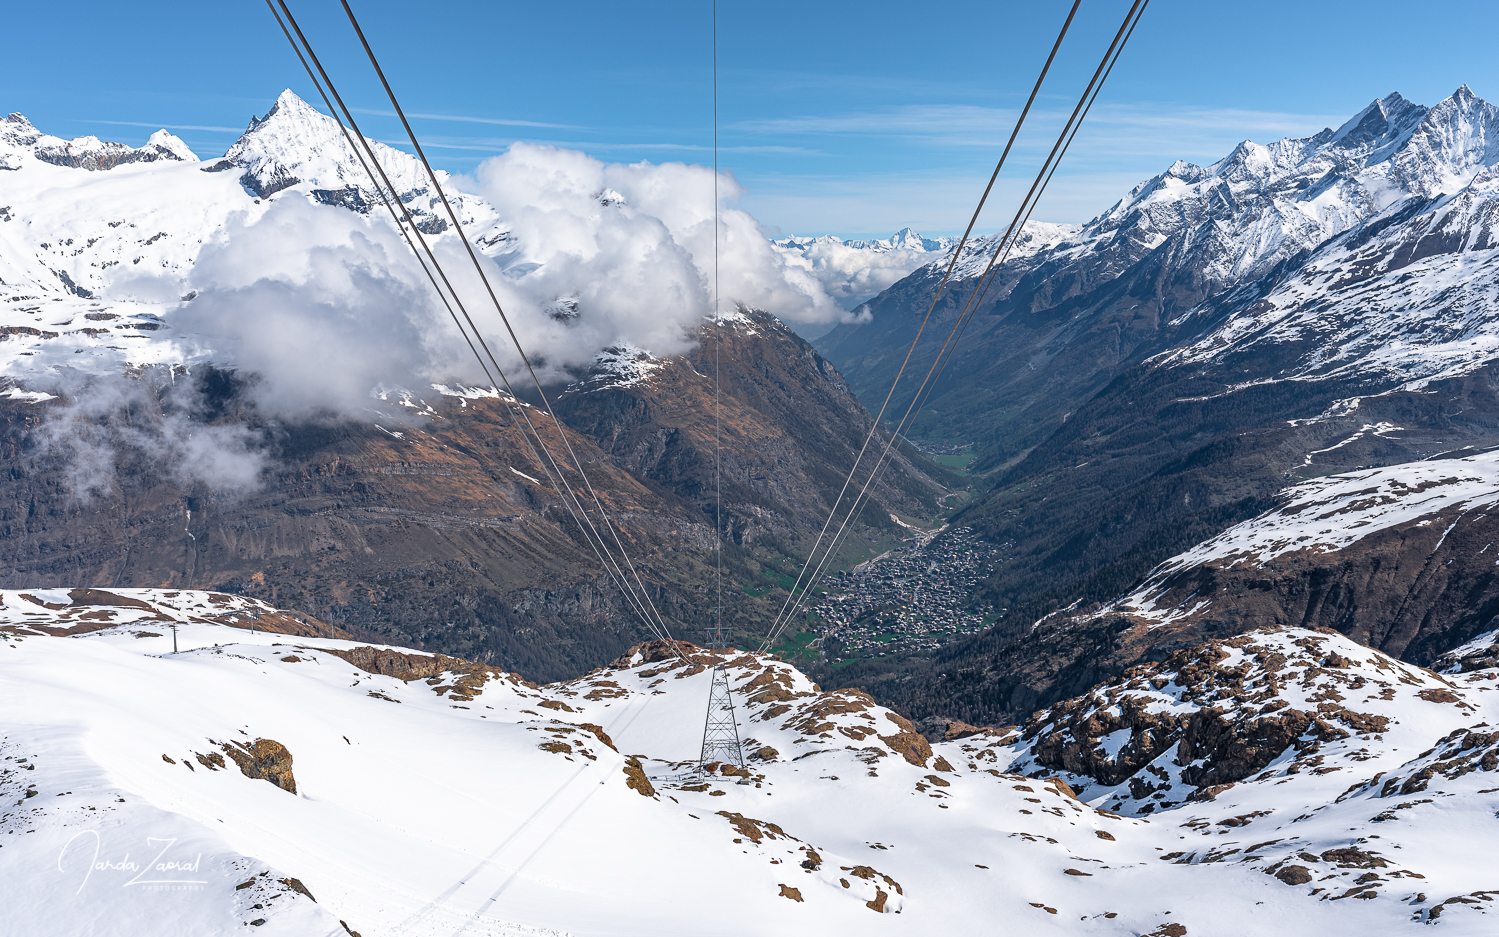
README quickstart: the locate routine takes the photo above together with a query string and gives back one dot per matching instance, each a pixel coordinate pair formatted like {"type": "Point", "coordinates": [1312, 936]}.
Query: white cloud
{"type": "Point", "coordinates": [322, 306]}
{"type": "Point", "coordinates": [641, 270]}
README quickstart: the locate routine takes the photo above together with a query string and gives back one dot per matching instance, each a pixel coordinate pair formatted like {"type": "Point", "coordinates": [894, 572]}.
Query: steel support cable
{"type": "Point", "coordinates": [717, 342]}
{"type": "Point", "coordinates": [620, 582]}
{"type": "Point", "coordinates": [547, 464]}
{"type": "Point", "coordinates": [991, 272]}
{"type": "Point", "coordinates": [957, 252]}
{"type": "Point", "coordinates": [1043, 178]}
{"type": "Point", "coordinates": [384, 199]}
{"type": "Point", "coordinates": [992, 276]}
{"type": "Point", "coordinates": [720, 725]}
{"type": "Point", "coordinates": [417, 231]}
{"type": "Point", "coordinates": [520, 350]}
{"type": "Point", "coordinates": [1048, 169]}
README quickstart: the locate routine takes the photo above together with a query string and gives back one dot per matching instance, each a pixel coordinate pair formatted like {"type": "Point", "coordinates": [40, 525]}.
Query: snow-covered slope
{"type": "Point", "coordinates": [1324, 516]}
{"type": "Point", "coordinates": [295, 783]}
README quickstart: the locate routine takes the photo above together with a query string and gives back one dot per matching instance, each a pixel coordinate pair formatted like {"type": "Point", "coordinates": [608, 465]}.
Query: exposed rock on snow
{"type": "Point", "coordinates": [79, 611]}
{"type": "Point", "coordinates": [19, 140]}
{"type": "Point", "coordinates": [1299, 741]}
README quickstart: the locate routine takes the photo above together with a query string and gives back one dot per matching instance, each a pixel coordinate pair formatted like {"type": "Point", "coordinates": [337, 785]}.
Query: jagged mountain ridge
{"type": "Point", "coordinates": [66, 262]}
{"type": "Point", "coordinates": [1187, 250]}
{"type": "Point", "coordinates": [21, 140]}
{"type": "Point", "coordinates": [854, 270]}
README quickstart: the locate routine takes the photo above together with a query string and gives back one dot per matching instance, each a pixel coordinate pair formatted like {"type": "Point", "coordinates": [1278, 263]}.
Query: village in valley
{"type": "Point", "coordinates": [916, 597]}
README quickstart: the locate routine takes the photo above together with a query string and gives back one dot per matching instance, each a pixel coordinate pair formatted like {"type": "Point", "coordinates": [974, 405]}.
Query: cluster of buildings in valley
{"type": "Point", "coordinates": [914, 598]}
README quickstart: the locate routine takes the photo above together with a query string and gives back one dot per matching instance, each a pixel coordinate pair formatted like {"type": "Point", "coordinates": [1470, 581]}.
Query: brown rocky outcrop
{"type": "Point", "coordinates": [1207, 718]}
{"type": "Point", "coordinates": [911, 745]}
{"type": "Point", "coordinates": [636, 779]}
{"type": "Point", "coordinates": [265, 760]}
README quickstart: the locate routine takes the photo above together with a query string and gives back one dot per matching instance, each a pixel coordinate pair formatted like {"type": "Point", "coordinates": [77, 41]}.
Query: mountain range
{"type": "Point", "coordinates": [1233, 456]}
{"type": "Point", "coordinates": [1308, 308]}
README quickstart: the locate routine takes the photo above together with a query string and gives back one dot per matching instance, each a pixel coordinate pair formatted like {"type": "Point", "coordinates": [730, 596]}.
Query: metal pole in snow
{"type": "Point", "coordinates": [174, 637]}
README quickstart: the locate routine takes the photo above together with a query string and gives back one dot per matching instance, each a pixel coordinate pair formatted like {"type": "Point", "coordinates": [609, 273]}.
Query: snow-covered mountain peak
{"type": "Point", "coordinates": [1386, 117]}
{"type": "Point", "coordinates": [1455, 140]}
{"type": "Point", "coordinates": [16, 130]}
{"type": "Point", "coordinates": [855, 270]}
{"type": "Point", "coordinates": [909, 239]}
{"type": "Point", "coordinates": [1261, 204]}
{"type": "Point", "coordinates": [172, 144]}
{"type": "Point", "coordinates": [294, 143]}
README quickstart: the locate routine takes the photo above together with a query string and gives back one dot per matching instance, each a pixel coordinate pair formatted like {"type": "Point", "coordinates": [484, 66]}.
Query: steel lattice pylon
{"type": "Point", "coordinates": [721, 730]}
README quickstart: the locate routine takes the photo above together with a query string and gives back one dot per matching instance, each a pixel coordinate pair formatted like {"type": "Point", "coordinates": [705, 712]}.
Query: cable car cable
{"type": "Point", "coordinates": [620, 583]}
{"type": "Point", "coordinates": [874, 426]}
{"type": "Point", "coordinates": [515, 340]}
{"type": "Point", "coordinates": [1043, 178]}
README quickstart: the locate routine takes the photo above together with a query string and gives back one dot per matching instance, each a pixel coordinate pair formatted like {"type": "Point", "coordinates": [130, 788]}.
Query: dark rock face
{"type": "Point", "coordinates": [1413, 591]}
{"type": "Point", "coordinates": [266, 184]}
{"type": "Point", "coordinates": [783, 461]}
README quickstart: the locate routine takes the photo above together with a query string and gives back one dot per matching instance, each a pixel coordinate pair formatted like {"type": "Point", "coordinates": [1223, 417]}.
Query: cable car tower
{"type": "Point", "coordinates": [720, 729]}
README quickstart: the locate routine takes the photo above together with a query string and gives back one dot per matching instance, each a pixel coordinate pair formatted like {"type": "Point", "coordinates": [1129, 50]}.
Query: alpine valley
{"type": "Point", "coordinates": [1209, 476]}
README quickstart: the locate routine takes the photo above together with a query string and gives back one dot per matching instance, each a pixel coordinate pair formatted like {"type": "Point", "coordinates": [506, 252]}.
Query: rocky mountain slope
{"type": "Point", "coordinates": [1291, 740]}
{"type": "Point", "coordinates": [435, 526]}
{"type": "Point", "coordinates": [782, 461]}
{"type": "Point", "coordinates": [1183, 257]}
{"type": "Point", "coordinates": [273, 800]}
{"type": "Point", "coordinates": [1398, 558]}
{"type": "Point", "coordinates": [137, 456]}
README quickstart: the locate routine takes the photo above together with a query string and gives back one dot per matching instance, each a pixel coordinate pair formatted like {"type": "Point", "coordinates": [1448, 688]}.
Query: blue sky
{"type": "Point", "coordinates": [841, 117]}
